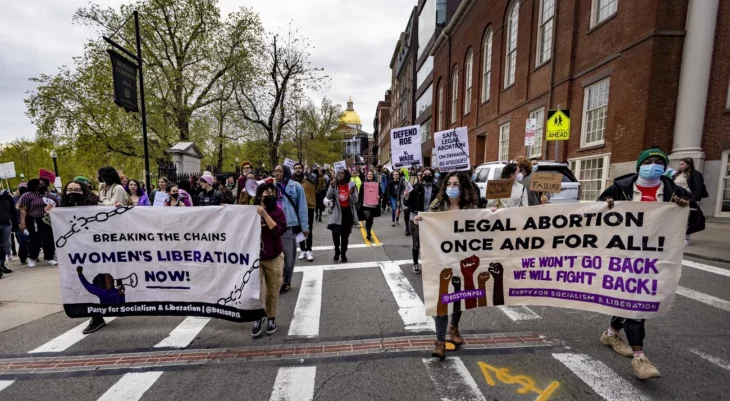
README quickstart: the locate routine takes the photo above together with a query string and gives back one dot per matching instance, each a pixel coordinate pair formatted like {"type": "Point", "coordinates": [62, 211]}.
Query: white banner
{"type": "Point", "coordinates": [405, 146]}
{"type": "Point", "coordinates": [452, 150]}
{"type": "Point", "coordinates": [340, 166]}
{"type": "Point", "coordinates": [129, 261]}
{"type": "Point", "coordinates": [7, 170]}
{"type": "Point", "coordinates": [289, 162]}
{"type": "Point", "coordinates": [624, 262]}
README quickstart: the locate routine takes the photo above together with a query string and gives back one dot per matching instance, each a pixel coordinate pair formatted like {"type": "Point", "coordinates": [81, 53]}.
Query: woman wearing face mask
{"type": "Point", "coordinates": [518, 198]}
{"type": "Point", "coordinates": [395, 187]}
{"type": "Point", "coordinates": [76, 193]}
{"type": "Point", "coordinates": [137, 194]}
{"type": "Point", "coordinates": [368, 212]}
{"type": "Point", "coordinates": [524, 177]}
{"type": "Point", "coordinates": [457, 193]}
{"type": "Point", "coordinates": [174, 198]}
{"type": "Point", "coordinates": [271, 257]}
{"type": "Point", "coordinates": [113, 193]}
{"type": "Point", "coordinates": [32, 207]}
{"type": "Point", "coordinates": [343, 195]}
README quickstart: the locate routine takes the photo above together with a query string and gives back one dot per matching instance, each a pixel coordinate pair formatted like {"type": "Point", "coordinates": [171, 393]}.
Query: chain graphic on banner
{"type": "Point", "coordinates": [237, 292]}
{"type": "Point", "coordinates": [82, 222]}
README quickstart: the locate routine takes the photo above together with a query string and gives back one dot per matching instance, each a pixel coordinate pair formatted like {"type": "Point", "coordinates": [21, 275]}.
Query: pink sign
{"type": "Point", "coordinates": [49, 175]}
{"type": "Point", "coordinates": [371, 194]}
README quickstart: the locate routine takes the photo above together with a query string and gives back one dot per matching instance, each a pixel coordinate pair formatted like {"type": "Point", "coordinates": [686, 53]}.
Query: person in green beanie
{"type": "Point", "coordinates": [648, 184]}
{"type": "Point", "coordinates": [83, 180]}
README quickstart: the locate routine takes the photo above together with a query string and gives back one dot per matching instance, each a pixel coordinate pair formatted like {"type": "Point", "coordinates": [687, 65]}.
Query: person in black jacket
{"type": "Point", "coordinates": [419, 200]}
{"type": "Point", "coordinates": [368, 212]}
{"type": "Point", "coordinates": [8, 224]}
{"type": "Point", "coordinates": [649, 185]}
{"type": "Point", "coordinates": [690, 179]}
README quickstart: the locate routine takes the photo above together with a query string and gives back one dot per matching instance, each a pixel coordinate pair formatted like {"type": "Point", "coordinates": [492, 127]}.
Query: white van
{"type": "Point", "coordinates": [570, 190]}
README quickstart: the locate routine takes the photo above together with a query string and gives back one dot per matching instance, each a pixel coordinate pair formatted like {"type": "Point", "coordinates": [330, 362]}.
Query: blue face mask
{"type": "Point", "coordinates": [651, 171]}
{"type": "Point", "coordinates": [452, 192]}
{"type": "Point", "coordinates": [437, 175]}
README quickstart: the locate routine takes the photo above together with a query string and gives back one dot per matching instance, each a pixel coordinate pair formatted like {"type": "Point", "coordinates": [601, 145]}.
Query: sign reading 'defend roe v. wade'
{"type": "Point", "coordinates": [131, 261]}
{"type": "Point", "coordinates": [405, 146]}
{"type": "Point", "coordinates": [624, 262]}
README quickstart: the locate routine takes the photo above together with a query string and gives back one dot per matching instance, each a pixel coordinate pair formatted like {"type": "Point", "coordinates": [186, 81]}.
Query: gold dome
{"type": "Point", "coordinates": [350, 116]}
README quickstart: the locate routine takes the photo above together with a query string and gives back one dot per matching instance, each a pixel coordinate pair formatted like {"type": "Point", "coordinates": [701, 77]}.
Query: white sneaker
{"type": "Point", "coordinates": [686, 242]}
{"type": "Point", "coordinates": [309, 255]}
{"type": "Point", "coordinates": [302, 255]}
{"type": "Point", "coordinates": [51, 263]}
{"type": "Point", "coordinates": [31, 262]}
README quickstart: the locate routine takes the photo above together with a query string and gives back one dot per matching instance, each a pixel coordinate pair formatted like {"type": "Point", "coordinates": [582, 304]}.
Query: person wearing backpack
{"type": "Point", "coordinates": [208, 196]}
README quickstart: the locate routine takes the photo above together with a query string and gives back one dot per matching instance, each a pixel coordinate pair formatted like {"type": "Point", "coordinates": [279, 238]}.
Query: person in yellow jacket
{"type": "Point", "coordinates": [312, 183]}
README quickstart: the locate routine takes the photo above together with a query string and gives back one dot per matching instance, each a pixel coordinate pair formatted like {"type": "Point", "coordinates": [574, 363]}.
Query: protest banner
{"type": "Point", "coordinates": [7, 170]}
{"type": "Point", "coordinates": [289, 162]}
{"type": "Point", "coordinates": [160, 198]}
{"type": "Point", "coordinates": [340, 166]}
{"type": "Point", "coordinates": [624, 262]}
{"type": "Point", "coordinates": [405, 146]}
{"type": "Point", "coordinates": [546, 182]}
{"type": "Point", "coordinates": [371, 192]}
{"type": "Point", "coordinates": [131, 261]}
{"type": "Point", "coordinates": [498, 189]}
{"type": "Point", "coordinates": [452, 150]}
{"type": "Point", "coordinates": [49, 175]}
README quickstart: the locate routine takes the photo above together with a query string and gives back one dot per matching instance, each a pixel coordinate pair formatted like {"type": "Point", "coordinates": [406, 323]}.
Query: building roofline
{"type": "Point", "coordinates": [397, 49]}
{"type": "Point", "coordinates": [459, 15]}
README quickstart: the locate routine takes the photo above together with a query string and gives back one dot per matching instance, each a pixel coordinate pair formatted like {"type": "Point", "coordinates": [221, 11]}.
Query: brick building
{"type": "Point", "coordinates": [381, 129]}
{"type": "Point", "coordinates": [633, 74]}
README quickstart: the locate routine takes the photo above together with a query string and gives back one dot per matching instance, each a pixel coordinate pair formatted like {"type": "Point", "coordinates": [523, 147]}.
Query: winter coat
{"type": "Point", "coordinates": [335, 217]}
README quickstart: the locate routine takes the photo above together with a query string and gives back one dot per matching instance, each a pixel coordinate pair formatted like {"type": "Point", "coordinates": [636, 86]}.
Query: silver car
{"type": "Point", "coordinates": [570, 188]}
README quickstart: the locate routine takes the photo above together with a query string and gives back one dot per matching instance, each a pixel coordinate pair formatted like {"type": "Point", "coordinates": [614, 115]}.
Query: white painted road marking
{"type": "Point", "coordinates": [184, 333]}
{"type": "Point", "coordinates": [67, 339]}
{"type": "Point", "coordinates": [294, 384]}
{"type": "Point", "coordinates": [5, 383]}
{"type": "Point", "coordinates": [453, 380]}
{"type": "Point", "coordinates": [410, 306]}
{"type": "Point", "coordinates": [707, 268]}
{"type": "Point", "coordinates": [519, 313]}
{"type": "Point", "coordinates": [131, 387]}
{"type": "Point", "coordinates": [704, 298]}
{"type": "Point", "coordinates": [599, 377]}
{"type": "Point", "coordinates": [305, 322]}
{"type": "Point", "coordinates": [301, 268]}
{"type": "Point", "coordinates": [332, 247]}
{"type": "Point", "coordinates": [713, 359]}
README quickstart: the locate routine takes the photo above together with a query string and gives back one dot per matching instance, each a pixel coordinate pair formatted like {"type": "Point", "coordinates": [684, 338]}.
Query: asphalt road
{"type": "Point", "coordinates": [371, 298]}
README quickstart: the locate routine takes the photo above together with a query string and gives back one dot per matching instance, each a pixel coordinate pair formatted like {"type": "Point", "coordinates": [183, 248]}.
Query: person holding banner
{"type": "Point", "coordinates": [163, 190]}
{"type": "Point", "coordinates": [419, 200]}
{"type": "Point", "coordinates": [343, 195]}
{"type": "Point", "coordinates": [294, 203]}
{"type": "Point", "coordinates": [368, 209]}
{"type": "Point", "coordinates": [648, 184]}
{"type": "Point", "coordinates": [175, 198]}
{"type": "Point", "coordinates": [457, 193]}
{"type": "Point", "coordinates": [137, 194]}
{"type": "Point", "coordinates": [113, 193]}
{"type": "Point", "coordinates": [518, 198]}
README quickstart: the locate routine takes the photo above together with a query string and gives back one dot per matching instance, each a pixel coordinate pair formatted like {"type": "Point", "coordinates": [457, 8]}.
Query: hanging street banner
{"type": "Point", "coordinates": [558, 125]}
{"type": "Point", "coordinates": [405, 146]}
{"type": "Point", "coordinates": [530, 127]}
{"type": "Point", "coordinates": [452, 150]}
{"type": "Point", "coordinates": [124, 75]}
{"type": "Point", "coordinates": [623, 262]}
{"type": "Point", "coordinates": [132, 261]}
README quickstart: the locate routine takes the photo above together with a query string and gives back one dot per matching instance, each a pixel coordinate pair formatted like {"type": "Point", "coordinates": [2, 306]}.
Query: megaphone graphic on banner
{"type": "Point", "coordinates": [130, 281]}
{"type": "Point", "coordinates": [253, 185]}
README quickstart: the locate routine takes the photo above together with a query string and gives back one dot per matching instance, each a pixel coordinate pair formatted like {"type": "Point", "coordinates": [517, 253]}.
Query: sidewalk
{"type": "Point", "coordinates": [28, 294]}
{"type": "Point", "coordinates": [712, 244]}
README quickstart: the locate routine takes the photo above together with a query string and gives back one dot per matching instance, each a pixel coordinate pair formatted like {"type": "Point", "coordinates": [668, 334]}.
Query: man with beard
{"type": "Point", "coordinates": [312, 183]}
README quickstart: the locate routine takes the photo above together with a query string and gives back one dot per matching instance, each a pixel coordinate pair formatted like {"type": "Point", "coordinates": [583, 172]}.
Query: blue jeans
{"type": "Point", "coordinates": [442, 323]}
{"type": "Point", "coordinates": [393, 206]}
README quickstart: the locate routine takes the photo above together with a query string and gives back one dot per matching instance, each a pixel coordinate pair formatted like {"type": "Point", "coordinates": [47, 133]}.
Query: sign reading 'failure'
{"type": "Point", "coordinates": [405, 145]}
{"type": "Point", "coordinates": [546, 182]}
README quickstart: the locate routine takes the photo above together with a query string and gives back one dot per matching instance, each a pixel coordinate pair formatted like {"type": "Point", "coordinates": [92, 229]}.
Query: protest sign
{"type": "Point", "coordinates": [371, 192]}
{"type": "Point", "coordinates": [130, 261]}
{"type": "Point", "coordinates": [340, 166]}
{"type": "Point", "coordinates": [160, 198]}
{"type": "Point", "coordinates": [405, 146]}
{"type": "Point", "coordinates": [622, 262]}
{"type": "Point", "coordinates": [452, 150]}
{"type": "Point", "coordinates": [7, 170]}
{"type": "Point", "coordinates": [498, 189]}
{"type": "Point", "coordinates": [289, 162]}
{"type": "Point", "coordinates": [546, 182]}
{"type": "Point", "coordinates": [49, 175]}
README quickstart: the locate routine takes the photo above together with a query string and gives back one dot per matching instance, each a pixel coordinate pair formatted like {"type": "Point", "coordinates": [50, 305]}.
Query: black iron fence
{"type": "Point", "coordinates": [169, 170]}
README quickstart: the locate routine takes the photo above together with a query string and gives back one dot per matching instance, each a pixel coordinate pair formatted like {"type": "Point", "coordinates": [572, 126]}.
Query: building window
{"type": "Point", "coordinates": [504, 142]}
{"type": "Point", "coordinates": [426, 25]}
{"type": "Point", "coordinates": [601, 10]}
{"type": "Point", "coordinates": [454, 94]}
{"type": "Point", "coordinates": [468, 81]}
{"type": "Point", "coordinates": [425, 71]}
{"type": "Point", "coordinates": [595, 107]}
{"type": "Point", "coordinates": [592, 172]}
{"type": "Point", "coordinates": [545, 31]}
{"type": "Point", "coordinates": [511, 59]}
{"type": "Point", "coordinates": [539, 115]}
{"type": "Point", "coordinates": [424, 102]}
{"type": "Point", "coordinates": [487, 66]}
{"type": "Point", "coordinates": [441, 107]}
{"type": "Point", "coordinates": [352, 146]}
{"type": "Point", "coordinates": [426, 131]}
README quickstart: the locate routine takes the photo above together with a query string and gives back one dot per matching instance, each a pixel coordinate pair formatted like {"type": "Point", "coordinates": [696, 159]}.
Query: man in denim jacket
{"type": "Point", "coordinates": [296, 219]}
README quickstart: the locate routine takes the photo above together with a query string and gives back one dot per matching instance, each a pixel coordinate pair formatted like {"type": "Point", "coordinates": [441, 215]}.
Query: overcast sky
{"type": "Point", "coordinates": [354, 42]}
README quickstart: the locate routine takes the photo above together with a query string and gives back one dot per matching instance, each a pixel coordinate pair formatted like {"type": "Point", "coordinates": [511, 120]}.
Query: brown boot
{"type": "Point", "coordinates": [454, 336]}
{"type": "Point", "coordinates": [440, 351]}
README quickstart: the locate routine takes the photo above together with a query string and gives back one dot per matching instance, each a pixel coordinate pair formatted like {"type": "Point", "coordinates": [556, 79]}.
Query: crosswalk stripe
{"type": "Point", "coordinates": [5, 383]}
{"type": "Point", "coordinates": [294, 384]}
{"type": "Point", "coordinates": [599, 377]}
{"type": "Point", "coordinates": [184, 333]}
{"type": "Point", "coordinates": [131, 387]}
{"type": "Point", "coordinates": [66, 340]}
{"type": "Point", "coordinates": [518, 313]}
{"type": "Point", "coordinates": [704, 298]}
{"type": "Point", "coordinates": [410, 306]}
{"type": "Point", "coordinates": [332, 247]}
{"type": "Point", "coordinates": [305, 322]}
{"type": "Point", "coordinates": [707, 268]}
{"type": "Point", "coordinates": [712, 359]}
{"type": "Point", "coordinates": [453, 380]}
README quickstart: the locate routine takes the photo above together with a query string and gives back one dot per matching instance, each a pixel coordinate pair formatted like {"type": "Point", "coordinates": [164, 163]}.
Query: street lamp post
{"type": "Point", "coordinates": [54, 156]}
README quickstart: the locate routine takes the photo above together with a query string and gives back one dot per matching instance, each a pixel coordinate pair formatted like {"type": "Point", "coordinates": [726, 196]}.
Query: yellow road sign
{"type": "Point", "coordinates": [558, 125]}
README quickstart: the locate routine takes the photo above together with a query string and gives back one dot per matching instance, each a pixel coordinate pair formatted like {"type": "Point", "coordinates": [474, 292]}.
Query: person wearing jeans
{"type": "Point", "coordinates": [294, 203]}
{"type": "Point", "coordinates": [8, 224]}
{"type": "Point", "coordinates": [394, 192]}
{"type": "Point", "coordinates": [311, 183]}
{"type": "Point", "coordinates": [419, 200]}
{"type": "Point", "coordinates": [32, 207]}
{"type": "Point", "coordinates": [343, 195]}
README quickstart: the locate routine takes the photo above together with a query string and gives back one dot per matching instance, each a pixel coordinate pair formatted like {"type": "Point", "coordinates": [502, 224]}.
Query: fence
{"type": "Point", "coordinates": [169, 170]}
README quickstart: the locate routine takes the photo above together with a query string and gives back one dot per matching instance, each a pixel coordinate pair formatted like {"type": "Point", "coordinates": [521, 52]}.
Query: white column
{"type": "Point", "coordinates": [694, 80]}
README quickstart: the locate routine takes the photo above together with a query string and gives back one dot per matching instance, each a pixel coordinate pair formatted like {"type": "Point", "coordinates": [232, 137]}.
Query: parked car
{"type": "Point", "coordinates": [570, 188]}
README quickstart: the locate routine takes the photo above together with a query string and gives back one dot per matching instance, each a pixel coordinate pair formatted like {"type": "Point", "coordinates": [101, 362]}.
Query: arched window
{"type": "Point", "coordinates": [511, 59]}
{"type": "Point", "coordinates": [454, 94]}
{"type": "Point", "coordinates": [487, 66]}
{"type": "Point", "coordinates": [441, 107]}
{"type": "Point", "coordinates": [468, 81]}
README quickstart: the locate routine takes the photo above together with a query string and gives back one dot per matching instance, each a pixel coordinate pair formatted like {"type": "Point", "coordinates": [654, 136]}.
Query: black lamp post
{"type": "Point", "coordinates": [54, 156]}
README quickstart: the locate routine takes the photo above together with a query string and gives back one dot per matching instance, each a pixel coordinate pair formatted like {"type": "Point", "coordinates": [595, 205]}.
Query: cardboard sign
{"type": "Point", "coordinates": [498, 189]}
{"type": "Point", "coordinates": [49, 175]}
{"type": "Point", "coordinates": [452, 150]}
{"type": "Point", "coordinates": [371, 197]}
{"type": "Point", "coordinates": [340, 166]}
{"type": "Point", "coordinates": [289, 163]}
{"type": "Point", "coordinates": [546, 182]}
{"type": "Point", "coordinates": [405, 146]}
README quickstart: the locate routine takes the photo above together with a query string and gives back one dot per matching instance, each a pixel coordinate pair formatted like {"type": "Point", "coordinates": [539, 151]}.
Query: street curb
{"type": "Point", "coordinates": [708, 258]}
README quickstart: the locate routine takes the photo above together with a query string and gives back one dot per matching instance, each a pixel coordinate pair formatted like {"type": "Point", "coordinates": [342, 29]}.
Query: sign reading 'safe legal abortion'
{"type": "Point", "coordinates": [130, 261]}
{"type": "Point", "coordinates": [624, 262]}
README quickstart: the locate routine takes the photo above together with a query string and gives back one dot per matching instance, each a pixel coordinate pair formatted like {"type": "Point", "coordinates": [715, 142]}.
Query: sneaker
{"type": "Point", "coordinates": [23, 262]}
{"type": "Point", "coordinates": [617, 344]}
{"type": "Point", "coordinates": [302, 255]}
{"type": "Point", "coordinates": [94, 325]}
{"type": "Point", "coordinates": [51, 262]}
{"type": "Point", "coordinates": [309, 256]}
{"type": "Point", "coordinates": [643, 369]}
{"type": "Point", "coordinates": [31, 262]}
{"type": "Point", "coordinates": [344, 258]}
{"type": "Point", "coordinates": [258, 327]}
{"type": "Point", "coordinates": [417, 269]}
{"type": "Point", "coordinates": [686, 242]}
{"type": "Point", "coordinates": [284, 288]}
{"type": "Point", "coordinates": [393, 225]}
{"type": "Point", "coordinates": [10, 258]}
{"type": "Point", "coordinates": [408, 233]}
{"type": "Point", "coordinates": [5, 270]}
{"type": "Point", "coordinates": [271, 327]}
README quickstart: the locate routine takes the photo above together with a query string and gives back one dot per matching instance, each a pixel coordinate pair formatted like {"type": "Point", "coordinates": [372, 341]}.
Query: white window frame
{"type": "Point", "coordinates": [468, 70]}
{"type": "Point", "coordinates": [545, 30]}
{"type": "Point", "coordinates": [539, 115]}
{"type": "Point", "coordinates": [487, 69]}
{"type": "Point", "coordinates": [510, 59]}
{"type": "Point", "coordinates": [504, 142]}
{"type": "Point", "coordinates": [722, 186]}
{"type": "Point", "coordinates": [441, 107]}
{"type": "Point", "coordinates": [611, 7]}
{"type": "Point", "coordinates": [575, 167]}
{"type": "Point", "coordinates": [586, 100]}
{"type": "Point", "coordinates": [454, 94]}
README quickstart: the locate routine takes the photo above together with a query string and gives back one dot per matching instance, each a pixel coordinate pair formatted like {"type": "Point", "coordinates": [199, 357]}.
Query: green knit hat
{"type": "Point", "coordinates": [82, 179]}
{"type": "Point", "coordinates": [651, 153]}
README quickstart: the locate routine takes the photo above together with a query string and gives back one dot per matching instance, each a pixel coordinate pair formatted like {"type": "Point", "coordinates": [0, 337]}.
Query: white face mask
{"type": "Point", "coordinates": [519, 177]}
